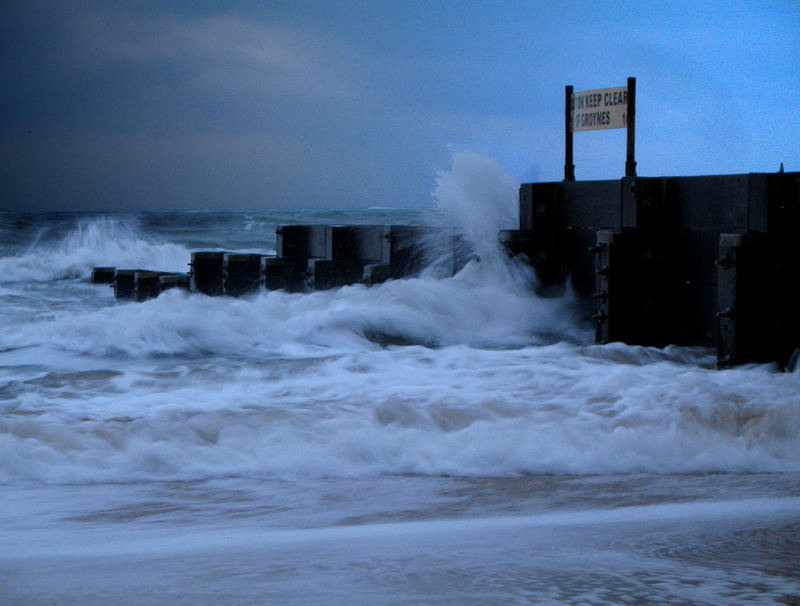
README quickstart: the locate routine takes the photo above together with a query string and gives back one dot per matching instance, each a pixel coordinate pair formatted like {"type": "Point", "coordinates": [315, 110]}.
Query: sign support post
{"type": "Point", "coordinates": [569, 167]}
{"type": "Point", "coordinates": [630, 162]}
{"type": "Point", "coordinates": [596, 109]}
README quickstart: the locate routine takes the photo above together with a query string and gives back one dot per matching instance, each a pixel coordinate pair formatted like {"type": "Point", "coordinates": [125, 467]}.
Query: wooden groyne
{"type": "Point", "coordinates": [708, 260]}
{"type": "Point", "coordinates": [308, 257]}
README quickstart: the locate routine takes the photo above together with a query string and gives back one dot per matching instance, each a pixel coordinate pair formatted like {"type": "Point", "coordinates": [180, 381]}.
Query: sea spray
{"type": "Point", "coordinates": [477, 307]}
{"type": "Point", "coordinates": [479, 198]}
{"type": "Point", "coordinates": [102, 241]}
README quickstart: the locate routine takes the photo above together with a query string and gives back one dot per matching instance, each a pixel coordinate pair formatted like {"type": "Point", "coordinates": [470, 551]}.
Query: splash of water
{"type": "Point", "coordinates": [479, 197]}
{"type": "Point", "coordinates": [102, 241]}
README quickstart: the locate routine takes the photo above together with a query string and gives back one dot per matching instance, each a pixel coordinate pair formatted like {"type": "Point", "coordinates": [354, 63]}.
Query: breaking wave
{"type": "Point", "coordinates": [100, 241]}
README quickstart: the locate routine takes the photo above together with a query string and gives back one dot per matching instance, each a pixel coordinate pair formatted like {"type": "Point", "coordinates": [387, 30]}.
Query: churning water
{"type": "Point", "coordinates": [271, 449]}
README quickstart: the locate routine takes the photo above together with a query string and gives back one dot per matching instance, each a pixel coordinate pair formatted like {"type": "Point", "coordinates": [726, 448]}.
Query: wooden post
{"type": "Point", "coordinates": [569, 167]}
{"type": "Point", "coordinates": [630, 162]}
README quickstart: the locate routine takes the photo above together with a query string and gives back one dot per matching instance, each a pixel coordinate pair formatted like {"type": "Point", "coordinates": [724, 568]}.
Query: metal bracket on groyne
{"type": "Point", "coordinates": [708, 261]}
{"type": "Point", "coordinates": [309, 257]}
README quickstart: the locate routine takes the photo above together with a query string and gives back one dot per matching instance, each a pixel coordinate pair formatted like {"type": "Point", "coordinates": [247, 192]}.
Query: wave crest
{"type": "Point", "coordinates": [99, 242]}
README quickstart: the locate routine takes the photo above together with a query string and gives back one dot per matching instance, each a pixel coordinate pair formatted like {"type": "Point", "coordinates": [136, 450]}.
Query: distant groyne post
{"type": "Point", "coordinates": [241, 273]}
{"type": "Point", "coordinates": [124, 282]}
{"type": "Point", "coordinates": [206, 274]}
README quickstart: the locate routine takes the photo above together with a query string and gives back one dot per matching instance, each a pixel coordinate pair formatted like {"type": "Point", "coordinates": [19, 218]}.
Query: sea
{"type": "Point", "coordinates": [269, 449]}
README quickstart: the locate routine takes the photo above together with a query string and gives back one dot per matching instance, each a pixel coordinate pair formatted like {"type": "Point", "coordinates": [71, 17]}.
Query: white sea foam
{"type": "Point", "coordinates": [457, 410]}
{"type": "Point", "coordinates": [479, 306]}
{"type": "Point", "coordinates": [470, 375]}
{"type": "Point", "coordinates": [99, 242]}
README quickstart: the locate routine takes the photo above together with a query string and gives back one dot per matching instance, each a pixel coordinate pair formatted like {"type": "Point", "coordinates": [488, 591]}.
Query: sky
{"type": "Point", "coordinates": [354, 104]}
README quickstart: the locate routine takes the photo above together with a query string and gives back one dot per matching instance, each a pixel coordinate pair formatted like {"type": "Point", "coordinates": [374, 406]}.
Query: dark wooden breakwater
{"type": "Point", "coordinates": [709, 261]}
{"type": "Point", "coordinates": [308, 257]}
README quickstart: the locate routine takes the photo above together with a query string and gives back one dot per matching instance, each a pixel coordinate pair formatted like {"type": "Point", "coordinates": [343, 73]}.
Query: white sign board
{"type": "Point", "coordinates": [600, 108]}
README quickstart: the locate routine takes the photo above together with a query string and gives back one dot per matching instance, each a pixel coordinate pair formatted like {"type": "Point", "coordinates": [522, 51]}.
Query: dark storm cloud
{"type": "Point", "coordinates": [110, 105]}
{"type": "Point", "coordinates": [144, 108]}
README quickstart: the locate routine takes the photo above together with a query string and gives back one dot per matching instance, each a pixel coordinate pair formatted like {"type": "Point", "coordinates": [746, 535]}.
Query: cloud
{"type": "Point", "coordinates": [219, 49]}
{"type": "Point", "coordinates": [351, 103]}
